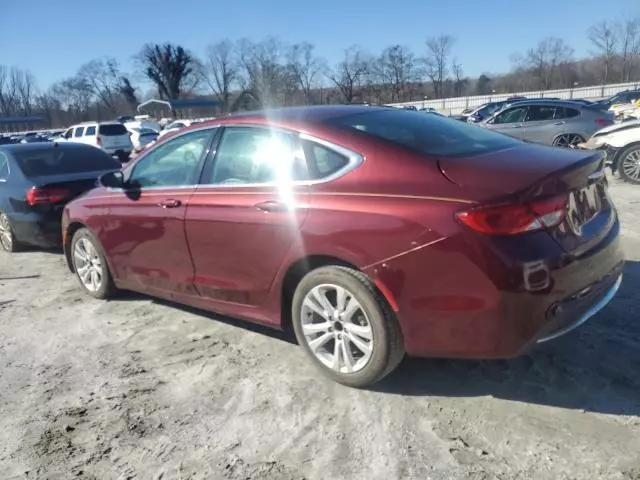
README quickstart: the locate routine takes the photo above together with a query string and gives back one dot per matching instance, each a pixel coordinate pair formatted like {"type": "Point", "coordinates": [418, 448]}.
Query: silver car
{"type": "Point", "coordinates": [552, 122]}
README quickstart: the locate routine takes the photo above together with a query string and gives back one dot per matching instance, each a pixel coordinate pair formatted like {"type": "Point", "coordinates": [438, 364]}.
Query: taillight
{"type": "Point", "coordinates": [512, 219]}
{"type": "Point", "coordinates": [40, 196]}
{"type": "Point", "coordinates": [603, 122]}
{"type": "Point", "coordinates": [98, 140]}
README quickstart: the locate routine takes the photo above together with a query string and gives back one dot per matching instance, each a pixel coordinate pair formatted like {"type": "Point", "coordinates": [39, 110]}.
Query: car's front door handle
{"type": "Point", "coordinates": [517, 126]}
{"type": "Point", "coordinates": [171, 203]}
{"type": "Point", "coordinates": [271, 206]}
{"type": "Point", "coordinates": [559, 123]}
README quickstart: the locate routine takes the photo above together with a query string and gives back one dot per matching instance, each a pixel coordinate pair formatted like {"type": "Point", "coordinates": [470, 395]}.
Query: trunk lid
{"type": "Point", "coordinates": [529, 172]}
{"type": "Point", "coordinates": [74, 184]}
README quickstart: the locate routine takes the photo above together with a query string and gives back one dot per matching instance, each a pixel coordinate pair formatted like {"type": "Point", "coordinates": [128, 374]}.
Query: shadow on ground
{"type": "Point", "coordinates": [594, 368]}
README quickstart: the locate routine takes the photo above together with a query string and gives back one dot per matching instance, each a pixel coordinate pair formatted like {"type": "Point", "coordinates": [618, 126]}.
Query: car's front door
{"type": "Point", "coordinates": [540, 125]}
{"type": "Point", "coordinates": [247, 214]}
{"type": "Point", "coordinates": [509, 121]}
{"type": "Point", "coordinates": [144, 234]}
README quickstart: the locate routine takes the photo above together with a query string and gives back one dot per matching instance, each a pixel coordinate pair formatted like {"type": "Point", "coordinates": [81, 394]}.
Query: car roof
{"type": "Point", "coordinates": [312, 114]}
{"type": "Point", "coordinates": [542, 101]}
{"type": "Point", "coordinates": [44, 146]}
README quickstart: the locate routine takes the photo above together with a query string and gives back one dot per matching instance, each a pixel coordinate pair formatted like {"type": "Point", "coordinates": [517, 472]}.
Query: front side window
{"type": "Point", "coordinates": [254, 155]}
{"type": "Point", "coordinates": [78, 132]}
{"type": "Point", "coordinates": [539, 113]}
{"type": "Point", "coordinates": [511, 115]}
{"type": "Point", "coordinates": [175, 163]}
{"type": "Point", "coordinates": [429, 134]}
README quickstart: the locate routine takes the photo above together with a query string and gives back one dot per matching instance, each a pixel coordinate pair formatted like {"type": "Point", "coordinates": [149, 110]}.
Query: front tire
{"type": "Point", "coordinates": [628, 164]}
{"type": "Point", "coordinates": [346, 326]}
{"type": "Point", "coordinates": [90, 265]}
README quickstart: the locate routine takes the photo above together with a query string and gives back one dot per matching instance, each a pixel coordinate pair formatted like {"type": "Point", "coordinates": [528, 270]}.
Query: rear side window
{"type": "Point", "coordinates": [430, 134]}
{"type": "Point", "coordinates": [78, 132]}
{"type": "Point", "coordinates": [90, 131]}
{"type": "Point", "coordinates": [112, 129]}
{"type": "Point", "coordinates": [322, 161]}
{"type": "Point", "coordinates": [566, 112]}
{"type": "Point", "coordinates": [59, 161]}
{"type": "Point", "coordinates": [4, 167]}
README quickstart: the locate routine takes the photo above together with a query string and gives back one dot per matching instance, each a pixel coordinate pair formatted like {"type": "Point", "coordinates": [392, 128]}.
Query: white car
{"type": "Point", "coordinates": [112, 137]}
{"type": "Point", "coordinates": [621, 143]}
{"type": "Point", "coordinates": [175, 126]}
{"type": "Point", "coordinates": [141, 136]}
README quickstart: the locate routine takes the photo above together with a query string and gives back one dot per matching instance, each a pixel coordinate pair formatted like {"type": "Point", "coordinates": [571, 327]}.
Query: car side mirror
{"type": "Point", "coordinates": [112, 179]}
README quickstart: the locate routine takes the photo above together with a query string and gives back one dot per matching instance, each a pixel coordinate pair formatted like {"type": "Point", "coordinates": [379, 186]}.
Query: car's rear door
{"type": "Point", "coordinates": [540, 125]}
{"type": "Point", "coordinates": [247, 214]}
{"type": "Point", "coordinates": [143, 233]}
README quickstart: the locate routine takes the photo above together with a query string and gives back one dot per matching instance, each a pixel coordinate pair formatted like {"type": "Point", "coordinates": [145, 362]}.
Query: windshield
{"type": "Point", "coordinates": [430, 134]}
{"type": "Point", "coordinates": [59, 161]}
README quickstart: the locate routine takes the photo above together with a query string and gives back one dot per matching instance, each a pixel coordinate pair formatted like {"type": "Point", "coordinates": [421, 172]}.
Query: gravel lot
{"type": "Point", "coordinates": [138, 388]}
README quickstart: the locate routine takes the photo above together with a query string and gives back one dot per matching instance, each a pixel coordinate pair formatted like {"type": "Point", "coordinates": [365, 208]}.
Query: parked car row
{"type": "Point", "coordinates": [370, 232]}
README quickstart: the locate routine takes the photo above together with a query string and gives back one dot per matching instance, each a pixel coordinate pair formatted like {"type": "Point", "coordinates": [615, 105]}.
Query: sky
{"type": "Point", "coordinates": [53, 38]}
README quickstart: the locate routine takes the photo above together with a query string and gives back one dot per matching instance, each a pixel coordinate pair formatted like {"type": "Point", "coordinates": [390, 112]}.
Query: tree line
{"type": "Point", "coordinates": [248, 74]}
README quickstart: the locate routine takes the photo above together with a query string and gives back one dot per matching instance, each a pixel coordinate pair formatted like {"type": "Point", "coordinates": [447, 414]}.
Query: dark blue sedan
{"type": "Point", "coordinates": [36, 181]}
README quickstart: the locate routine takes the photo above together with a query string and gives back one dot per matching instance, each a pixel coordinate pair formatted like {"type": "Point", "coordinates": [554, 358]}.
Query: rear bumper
{"type": "Point", "coordinates": [41, 230]}
{"type": "Point", "coordinates": [477, 297]}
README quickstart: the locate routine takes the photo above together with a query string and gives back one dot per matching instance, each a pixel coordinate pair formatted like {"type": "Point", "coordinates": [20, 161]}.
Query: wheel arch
{"type": "Point", "coordinates": [302, 266]}
{"type": "Point", "coordinates": [70, 231]}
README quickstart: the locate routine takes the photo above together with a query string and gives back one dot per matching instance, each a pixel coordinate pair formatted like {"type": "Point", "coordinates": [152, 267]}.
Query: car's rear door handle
{"type": "Point", "coordinates": [171, 203]}
{"type": "Point", "coordinates": [517, 126]}
{"type": "Point", "coordinates": [559, 123]}
{"type": "Point", "coordinates": [271, 206]}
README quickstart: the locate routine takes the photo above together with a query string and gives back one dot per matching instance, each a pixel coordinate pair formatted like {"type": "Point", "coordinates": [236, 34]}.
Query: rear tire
{"type": "Point", "coordinates": [90, 265]}
{"type": "Point", "coordinates": [567, 140]}
{"type": "Point", "coordinates": [355, 338]}
{"type": "Point", "coordinates": [628, 164]}
{"type": "Point", "coordinates": [8, 241]}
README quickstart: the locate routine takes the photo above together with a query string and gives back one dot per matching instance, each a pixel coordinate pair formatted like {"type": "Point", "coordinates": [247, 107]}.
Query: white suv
{"type": "Point", "coordinates": [112, 137]}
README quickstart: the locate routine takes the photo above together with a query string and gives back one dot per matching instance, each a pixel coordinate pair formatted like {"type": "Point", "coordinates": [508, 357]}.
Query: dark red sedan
{"type": "Point", "coordinates": [371, 231]}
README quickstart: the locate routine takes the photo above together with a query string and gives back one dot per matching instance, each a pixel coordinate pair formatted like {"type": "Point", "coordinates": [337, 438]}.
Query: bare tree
{"type": "Point", "coordinates": [102, 77]}
{"type": "Point", "coordinates": [17, 91]}
{"type": "Point", "coordinates": [349, 72]}
{"type": "Point", "coordinates": [544, 60]}
{"type": "Point", "coordinates": [262, 71]}
{"type": "Point", "coordinates": [306, 68]}
{"type": "Point", "coordinates": [128, 92]}
{"type": "Point", "coordinates": [397, 69]}
{"type": "Point", "coordinates": [171, 68]}
{"type": "Point", "coordinates": [437, 61]}
{"type": "Point", "coordinates": [629, 47]}
{"type": "Point", "coordinates": [221, 71]}
{"type": "Point", "coordinates": [460, 83]}
{"type": "Point", "coordinates": [603, 36]}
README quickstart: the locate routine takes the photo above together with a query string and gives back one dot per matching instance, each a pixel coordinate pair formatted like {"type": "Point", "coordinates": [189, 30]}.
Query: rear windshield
{"type": "Point", "coordinates": [147, 131]}
{"type": "Point", "coordinates": [425, 132]}
{"type": "Point", "coordinates": [113, 129]}
{"type": "Point", "coordinates": [60, 161]}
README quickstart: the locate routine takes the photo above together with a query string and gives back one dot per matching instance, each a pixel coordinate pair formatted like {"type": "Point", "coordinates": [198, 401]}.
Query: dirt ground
{"type": "Point", "coordinates": [137, 388]}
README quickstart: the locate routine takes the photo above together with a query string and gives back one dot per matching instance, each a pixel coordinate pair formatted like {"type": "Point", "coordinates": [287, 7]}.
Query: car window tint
{"type": "Point", "coordinates": [511, 115]}
{"type": "Point", "coordinates": [113, 129]}
{"type": "Point", "coordinates": [253, 155]}
{"type": "Point", "coordinates": [538, 113]}
{"type": "Point", "coordinates": [4, 166]}
{"type": "Point", "coordinates": [323, 162]}
{"type": "Point", "coordinates": [90, 131]}
{"type": "Point", "coordinates": [565, 112]}
{"type": "Point", "coordinates": [174, 163]}
{"type": "Point", "coordinates": [60, 160]}
{"type": "Point", "coordinates": [430, 134]}
{"type": "Point", "coordinates": [78, 132]}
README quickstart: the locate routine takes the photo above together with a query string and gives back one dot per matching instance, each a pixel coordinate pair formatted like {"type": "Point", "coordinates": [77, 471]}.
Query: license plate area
{"type": "Point", "coordinates": [585, 204]}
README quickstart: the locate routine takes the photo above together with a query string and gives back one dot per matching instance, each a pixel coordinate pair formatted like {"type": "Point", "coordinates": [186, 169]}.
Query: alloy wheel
{"type": "Point", "coordinates": [6, 235]}
{"type": "Point", "coordinates": [568, 140]}
{"type": "Point", "coordinates": [631, 165]}
{"type": "Point", "coordinates": [88, 264]}
{"type": "Point", "coordinates": [336, 328]}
